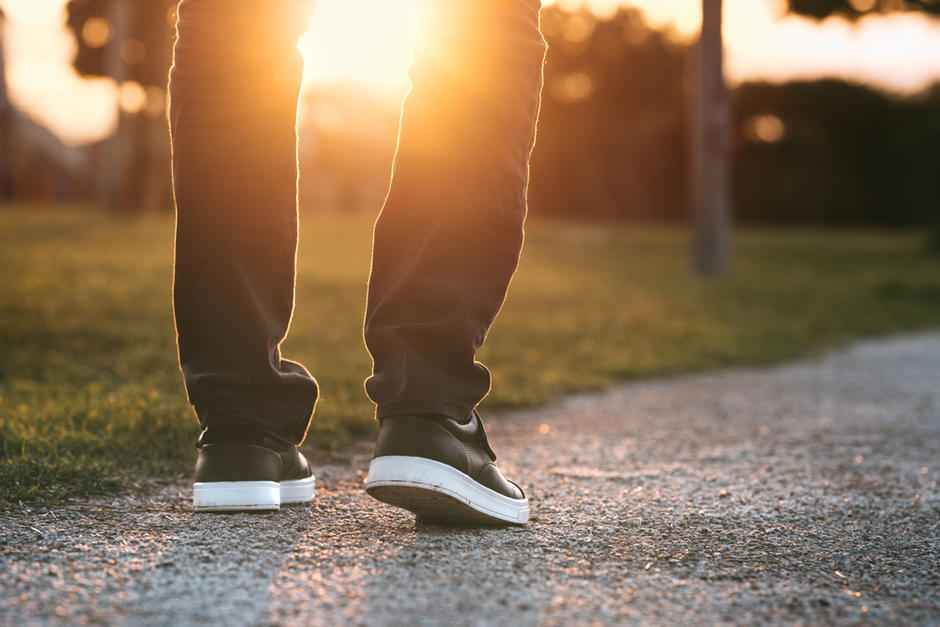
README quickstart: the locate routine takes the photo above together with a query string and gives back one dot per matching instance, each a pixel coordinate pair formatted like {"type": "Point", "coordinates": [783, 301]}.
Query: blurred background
{"type": "Point", "coordinates": [812, 126]}
{"type": "Point", "coordinates": [835, 108]}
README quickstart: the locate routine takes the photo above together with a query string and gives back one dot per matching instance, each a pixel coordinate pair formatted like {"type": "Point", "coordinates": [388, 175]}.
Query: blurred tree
{"type": "Point", "coordinates": [818, 151]}
{"type": "Point", "coordinates": [126, 37]}
{"type": "Point", "coordinates": [821, 9]}
{"type": "Point", "coordinates": [129, 41]}
{"type": "Point", "coordinates": [833, 152]}
{"type": "Point", "coordinates": [614, 139]}
{"type": "Point", "coordinates": [617, 121]}
{"type": "Point", "coordinates": [6, 112]}
{"type": "Point", "coordinates": [614, 119]}
{"type": "Point", "coordinates": [854, 9]}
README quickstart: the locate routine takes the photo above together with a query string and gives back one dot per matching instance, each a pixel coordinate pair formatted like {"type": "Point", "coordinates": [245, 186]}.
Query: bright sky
{"type": "Point", "coordinates": [369, 40]}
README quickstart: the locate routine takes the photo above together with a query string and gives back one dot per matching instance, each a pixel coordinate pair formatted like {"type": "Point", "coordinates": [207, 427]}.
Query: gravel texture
{"type": "Point", "coordinates": [802, 493]}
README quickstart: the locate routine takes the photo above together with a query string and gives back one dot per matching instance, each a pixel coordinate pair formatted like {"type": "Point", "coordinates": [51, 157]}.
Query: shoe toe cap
{"type": "Point", "coordinates": [493, 479]}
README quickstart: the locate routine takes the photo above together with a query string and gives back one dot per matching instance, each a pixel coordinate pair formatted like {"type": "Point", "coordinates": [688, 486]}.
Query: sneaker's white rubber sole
{"type": "Point", "coordinates": [240, 496]}
{"type": "Point", "coordinates": [297, 490]}
{"type": "Point", "coordinates": [234, 496]}
{"type": "Point", "coordinates": [436, 492]}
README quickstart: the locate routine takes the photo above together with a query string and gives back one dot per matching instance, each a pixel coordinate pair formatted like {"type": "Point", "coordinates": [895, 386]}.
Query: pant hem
{"type": "Point", "coordinates": [452, 409]}
{"type": "Point", "coordinates": [293, 431]}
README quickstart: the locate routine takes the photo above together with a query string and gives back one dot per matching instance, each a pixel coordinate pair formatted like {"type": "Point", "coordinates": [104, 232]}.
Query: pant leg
{"type": "Point", "coordinates": [234, 88]}
{"type": "Point", "coordinates": [448, 239]}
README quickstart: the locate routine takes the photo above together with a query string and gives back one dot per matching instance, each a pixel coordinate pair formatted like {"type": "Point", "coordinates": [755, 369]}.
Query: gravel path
{"type": "Point", "coordinates": [802, 493]}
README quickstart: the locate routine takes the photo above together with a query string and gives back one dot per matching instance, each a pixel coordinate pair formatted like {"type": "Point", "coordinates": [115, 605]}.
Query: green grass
{"type": "Point", "coordinates": [90, 395]}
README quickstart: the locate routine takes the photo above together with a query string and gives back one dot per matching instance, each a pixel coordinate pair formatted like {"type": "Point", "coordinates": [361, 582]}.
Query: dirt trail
{"type": "Point", "coordinates": [806, 492]}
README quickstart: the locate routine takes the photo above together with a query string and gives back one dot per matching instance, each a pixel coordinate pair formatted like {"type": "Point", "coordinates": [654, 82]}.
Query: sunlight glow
{"type": "Point", "coordinates": [371, 41]}
{"type": "Point", "coordinates": [40, 76]}
{"type": "Point", "coordinates": [362, 40]}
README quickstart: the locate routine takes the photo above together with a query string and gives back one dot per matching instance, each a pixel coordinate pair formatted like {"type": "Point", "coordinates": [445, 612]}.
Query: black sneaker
{"type": "Point", "coordinates": [241, 467]}
{"type": "Point", "coordinates": [443, 471]}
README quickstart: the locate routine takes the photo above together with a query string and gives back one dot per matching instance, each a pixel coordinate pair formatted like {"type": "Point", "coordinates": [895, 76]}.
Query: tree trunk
{"type": "Point", "coordinates": [156, 193]}
{"type": "Point", "coordinates": [113, 172]}
{"type": "Point", "coordinates": [6, 123]}
{"type": "Point", "coordinates": [710, 146]}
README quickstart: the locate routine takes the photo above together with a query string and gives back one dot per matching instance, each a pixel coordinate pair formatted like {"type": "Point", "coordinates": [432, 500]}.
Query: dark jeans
{"type": "Point", "coordinates": [446, 243]}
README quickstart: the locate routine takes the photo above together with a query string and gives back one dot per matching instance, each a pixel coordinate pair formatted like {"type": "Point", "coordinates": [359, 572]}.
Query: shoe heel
{"type": "Point", "coordinates": [236, 496]}
{"type": "Point", "coordinates": [297, 490]}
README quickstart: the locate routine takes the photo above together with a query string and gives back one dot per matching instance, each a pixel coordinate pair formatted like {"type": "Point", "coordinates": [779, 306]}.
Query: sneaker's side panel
{"type": "Point", "coordinates": [399, 480]}
{"type": "Point", "coordinates": [233, 496]}
{"type": "Point", "coordinates": [237, 462]}
{"type": "Point", "coordinates": [297, 490]}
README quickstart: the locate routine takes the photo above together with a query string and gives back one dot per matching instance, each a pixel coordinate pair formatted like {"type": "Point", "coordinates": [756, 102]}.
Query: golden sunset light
{"type": "Point", "coordinates": [370, 42]}
{"type": "Point", "coordinates": [675, 260]}
{"type": "Point", "coordinates": [341, 45]}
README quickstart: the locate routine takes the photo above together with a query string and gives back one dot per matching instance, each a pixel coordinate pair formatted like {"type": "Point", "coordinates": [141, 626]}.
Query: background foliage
{"type": "Point", "coordinates": [614, 130]}
{"type": "Point", "coordinates": [612, 140]}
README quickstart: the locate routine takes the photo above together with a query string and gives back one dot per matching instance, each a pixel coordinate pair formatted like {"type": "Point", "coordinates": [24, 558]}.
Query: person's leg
{"type": "Point", "coordinates": [448, 239]}
{"type": "Point", "coordinates": [234, 89]}
{"type": "Point", "coordinates": [445, 248]}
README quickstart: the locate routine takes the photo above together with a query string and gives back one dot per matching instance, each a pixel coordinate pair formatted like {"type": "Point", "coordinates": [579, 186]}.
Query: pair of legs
{"type": "Point", "coordinates": [446, 242]}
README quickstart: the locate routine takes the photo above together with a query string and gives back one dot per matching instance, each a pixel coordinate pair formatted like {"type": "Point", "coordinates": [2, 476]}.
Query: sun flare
{"type": "Point", "coordinates": [369, 41]}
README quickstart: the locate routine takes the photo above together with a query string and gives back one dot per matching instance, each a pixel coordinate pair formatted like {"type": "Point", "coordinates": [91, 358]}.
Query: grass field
{"type": "Point", "coordinates": [90, 396]}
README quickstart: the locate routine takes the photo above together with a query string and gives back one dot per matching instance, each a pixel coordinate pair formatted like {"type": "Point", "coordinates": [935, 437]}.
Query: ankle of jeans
{"type": "Point", "coordinates": [452, 409]}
